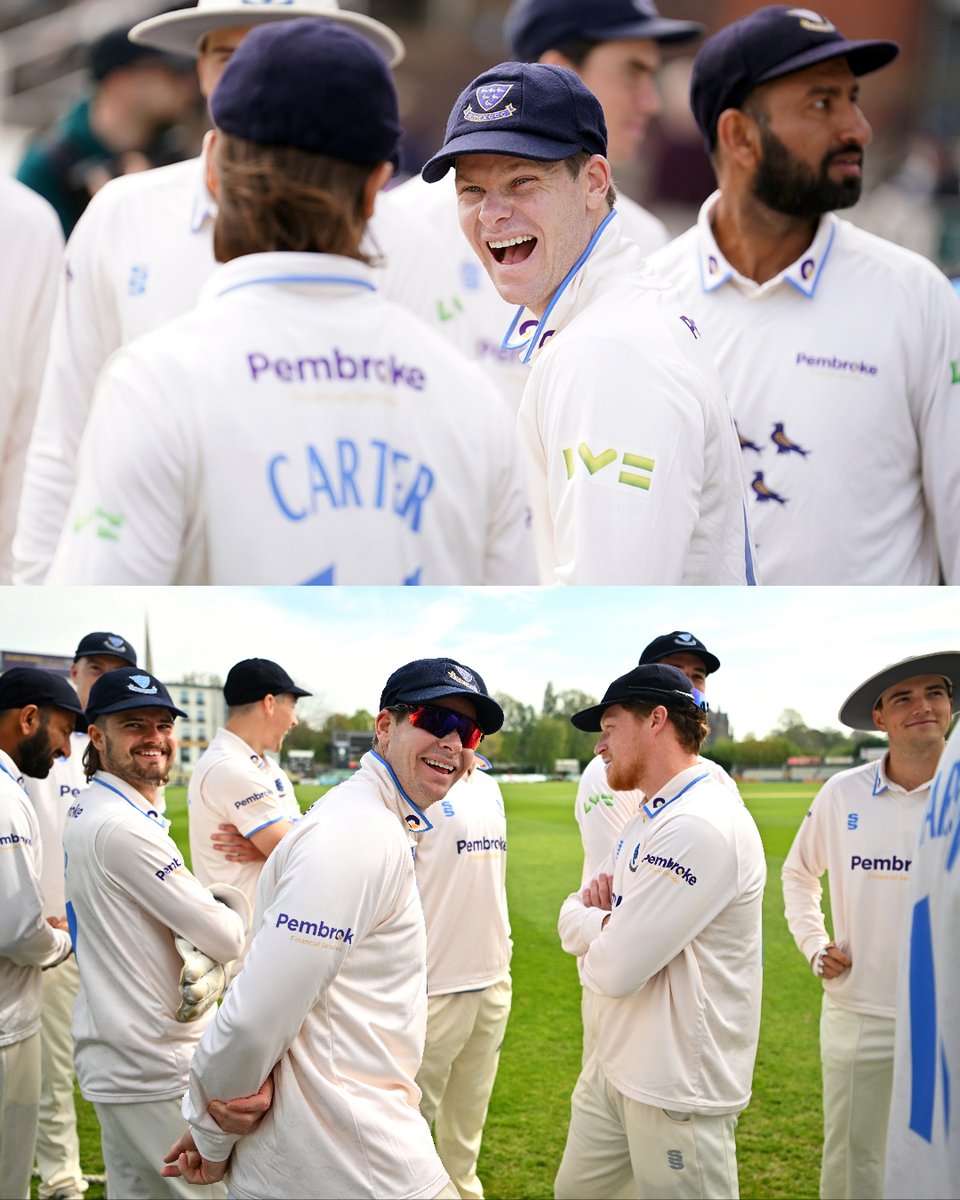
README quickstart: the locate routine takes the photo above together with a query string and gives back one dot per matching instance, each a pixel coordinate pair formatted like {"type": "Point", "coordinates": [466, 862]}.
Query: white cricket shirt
{"type": "Point", "coordinates": [233, 785]}
{"type": "Point", "coordinates": [51, 798]}
{"type": "Point", "coordinates": [27, 942]}
{"type": "Point", "coordinates": [633, 463]}
{"type": "Point", "coordinates": [862, 829]}
{"type": "Point", "coordinates": [843, 376]}
{"type": "Point", "coordinates": [461, 869]}
{"type": "Point", "coordinates": [32, 242]}
{"type": "Point", "coordinates": [137, 258]}
{"type": "Point", "coordinates": [332, 1000]}
{"type": "Point", "coordinates": [922, 1157]}
{"type": "Point", "coordinates": [128, 896]}
{"type": "Point", "coordinates": [678, 967]}
{"type": "Point", "coordinates": [478, 316]}
{"type": "Point", "coordinates": [602, 813]}
{"type": "Point", "coordinates": [296, 428]}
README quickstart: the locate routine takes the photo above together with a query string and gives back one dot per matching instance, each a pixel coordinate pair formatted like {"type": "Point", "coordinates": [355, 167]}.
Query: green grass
{"type": "Point", "coordinates": [779, 1135]}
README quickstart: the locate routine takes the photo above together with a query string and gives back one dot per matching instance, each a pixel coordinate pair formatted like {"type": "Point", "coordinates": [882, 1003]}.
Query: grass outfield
{"type": "Point", "coordinates": [779, 1135]}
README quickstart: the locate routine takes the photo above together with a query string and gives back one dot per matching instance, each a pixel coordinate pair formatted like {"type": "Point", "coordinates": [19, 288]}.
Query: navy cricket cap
{"type": "Point", "coordinates": [857, 710]}
{"type": "Point", "coordinates": [767, 44]}
{"type": "Point", "coordinates": [254, 678]}
{"type": "Point", "coordinates": [522, 110]}
{"type": "Point", "coordinates": [106, 643]}
{"type": "Point", "coordinates": [428, 679]}
{"type": "Point", "coordinates": [679, 642]}
{"type": "Point", "coordinates": [126, 688]}
{"type": "Point", "coordinates": [533, 26]}
{"type": "Point", "coordinates": [656, 682]}
{"type": "Point", "coordinates": [314, 85]}
{"type": "Point", "coordinates": [21, 686]}
{"type": "Point", "coordinates": [113, 51]}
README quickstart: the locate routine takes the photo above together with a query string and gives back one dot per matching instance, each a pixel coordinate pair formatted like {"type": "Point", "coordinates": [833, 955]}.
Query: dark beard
{"type": "Point", "coordinates": [788, 186]}
{"type": "Point", "coordinates": [36, 754]}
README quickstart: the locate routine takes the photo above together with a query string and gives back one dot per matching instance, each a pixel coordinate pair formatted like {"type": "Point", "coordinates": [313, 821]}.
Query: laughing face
{"type": "Point", "coordinates": [528, 222]}
{"type": "Point", "coordinates": [137, 745]}
{"type": "Point", "coordinates": [426, 766]}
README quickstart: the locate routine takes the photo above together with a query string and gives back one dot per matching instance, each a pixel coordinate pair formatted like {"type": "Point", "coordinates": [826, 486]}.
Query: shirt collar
{"type": "Point", "coordinates": [413, 819]}
{"type": "Point", "coordinates": [235, 742]}
{"type": "Point", "coordinates": [883, 783]}
{"type": "Point", "coordinates": [153, 812]}
{"type": "Point", "coordinates": [804, 274]}
{"type": "Point", "coordinates": [203, 207]}
{"type": "Point", "coordinates": [10, 768]}
{"type": "Point", "coordinates": [678, 786]}
{"type": "Point", "coordinates": [329, 274]}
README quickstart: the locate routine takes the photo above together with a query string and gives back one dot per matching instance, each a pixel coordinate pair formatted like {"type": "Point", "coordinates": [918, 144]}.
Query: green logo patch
{"type": "Point", "coordinates": [108, 525]}
{"type": "Point", "coordinates": [638, 476]}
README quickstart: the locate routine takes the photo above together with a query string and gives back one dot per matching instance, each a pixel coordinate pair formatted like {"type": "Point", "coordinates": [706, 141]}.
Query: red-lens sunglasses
{"type": "Point", "coordinates": [440, 722]}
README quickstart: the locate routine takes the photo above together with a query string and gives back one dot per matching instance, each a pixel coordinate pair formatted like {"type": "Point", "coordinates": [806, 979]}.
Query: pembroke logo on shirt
{"type": "Point", "coordinates": [317, 933]}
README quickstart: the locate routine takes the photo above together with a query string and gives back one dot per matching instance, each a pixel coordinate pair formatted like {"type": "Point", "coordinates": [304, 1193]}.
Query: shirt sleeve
{"type": "Point", "coordinates": [85, 331]}
{"type": "Point", "coordinates": [151, 871]}
{"type": "Point", "coordinates": [654, 919]}
{"type": "Point", "coordinates": [134, 514]}
{"type": "Point", "coordinates": [350, 879]}
{"type": "Point", "coordinates": [621, 437]}
{"type": "Point", "coordinates": [802, 871]}
{"type": "Point", "coordinates": [237, 793]}
{"type": "Point", "coordinates": [26, 938]}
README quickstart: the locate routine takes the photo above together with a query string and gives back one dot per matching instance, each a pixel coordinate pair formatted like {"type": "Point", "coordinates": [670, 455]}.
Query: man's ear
{"type": "Point", "coordinates": [28, 719]}
{"type": "Point", "coordinates": [598, 177]}
{"type": "Point", "coordinates": [383, 726]}
{"type": "Point", "coordinates": [213, 179]}
{"type": "Point", "coordinates": [738, 138]}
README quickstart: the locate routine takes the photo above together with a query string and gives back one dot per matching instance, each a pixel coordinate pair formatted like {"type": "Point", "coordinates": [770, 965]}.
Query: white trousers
{"type": "Point", "coordinates": [613, 1140]}
{"type": "Point", "coordinates": [464, 1035]}
{"type": "Point", "coordinates": [19, 1102]}
{"type": "Point", "coordinates": [135, 1137]}
{"type": "Point", "coordinates": [58, 1146]}
{"type": "Point", "coordinates": [857, 1060]}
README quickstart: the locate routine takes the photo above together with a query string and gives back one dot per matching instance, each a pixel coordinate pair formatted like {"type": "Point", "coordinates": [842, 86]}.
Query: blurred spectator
{"type": "Point", "coordinates": [127, 123]}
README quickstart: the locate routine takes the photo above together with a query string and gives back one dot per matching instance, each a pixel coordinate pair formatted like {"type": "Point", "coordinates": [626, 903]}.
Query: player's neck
{"type": "Point", "coordinates": [656, 774]}
{"type": "Point", "coordinates": [249, 732]}
{"type": "Point", "coordinates": [910, 768]}
{"type": "Point", "coordinates": [758, 242]}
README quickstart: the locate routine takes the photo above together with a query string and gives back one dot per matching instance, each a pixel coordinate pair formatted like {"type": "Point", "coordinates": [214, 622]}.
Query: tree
{"type": "Point", "coordinates": [549, 701]}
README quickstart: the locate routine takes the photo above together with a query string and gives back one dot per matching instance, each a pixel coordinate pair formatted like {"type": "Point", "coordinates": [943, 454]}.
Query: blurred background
{"type": "Point", "coordinates": [912, 169]}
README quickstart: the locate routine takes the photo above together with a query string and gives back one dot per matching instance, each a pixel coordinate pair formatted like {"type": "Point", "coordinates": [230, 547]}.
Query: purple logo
{"type": "Point", "coordinates": [691, 325]}
{"type": "Point", "coordinates": [490, 95]}
{"type": "Point", "coordinates": [712, 265]}
{"type": "Point", "coordinates": [806, 268]}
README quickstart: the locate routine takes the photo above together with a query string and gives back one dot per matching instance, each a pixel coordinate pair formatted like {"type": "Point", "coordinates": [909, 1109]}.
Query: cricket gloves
{"type": "Point", "coordinates": [202, 979]}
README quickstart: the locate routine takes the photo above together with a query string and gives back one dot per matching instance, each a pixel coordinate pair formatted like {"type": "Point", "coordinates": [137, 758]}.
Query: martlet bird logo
{"type": "Point", "coordinates": [488, 97]}
{"type": "Point", "coordinates": [141, 684]}
{"type": "Point", "coordinates": [762, 492]}
{"type": "Point", "coordinates": [745, 443]}
{"type": "Point", "coordinates": [784, 443]}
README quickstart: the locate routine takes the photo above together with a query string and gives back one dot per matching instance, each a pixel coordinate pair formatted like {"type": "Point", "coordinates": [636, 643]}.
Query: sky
{"type": "Point", "coordinates": [779, 648]}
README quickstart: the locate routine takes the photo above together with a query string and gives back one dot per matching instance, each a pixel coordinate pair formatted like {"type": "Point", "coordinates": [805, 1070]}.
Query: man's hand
{"type": "Point", "coordinates": [831, 961]}
{"type": "Point", "coordinates": [188, 1163]}
{"type": "Point", "coordinates": [231, 843]}
{"type": "Point", "coordinates": [599, 893]}
{"type": "Point", "coordinates": [243, 1113]}
{"type": "Point", "coordinates": [59, 923]}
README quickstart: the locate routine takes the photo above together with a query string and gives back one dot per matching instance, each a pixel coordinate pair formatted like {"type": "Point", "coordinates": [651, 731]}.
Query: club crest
{"type": "Point", "coordinates": [115, 643]}
{"type": "Point", "coordinates": [812, 20]}
{"type": "Point", "coordinates": [459, 675]}
{"type": "Point", "coordinates": [142, 684]}
{"type": "Point", "coordinates": [488, 98]}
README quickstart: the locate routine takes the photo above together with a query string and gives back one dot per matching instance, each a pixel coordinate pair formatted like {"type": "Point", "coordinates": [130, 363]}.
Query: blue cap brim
{"type": "Point", "coordinates": [660, 29]}
{"type": "Point", "coordinates": [862, 58]}
{"type": "Point", "coordinates": [500, 141]}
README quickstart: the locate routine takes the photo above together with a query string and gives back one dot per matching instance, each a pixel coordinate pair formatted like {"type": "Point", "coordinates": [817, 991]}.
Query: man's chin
{"type": "Point", "coordinates": [622, 779]}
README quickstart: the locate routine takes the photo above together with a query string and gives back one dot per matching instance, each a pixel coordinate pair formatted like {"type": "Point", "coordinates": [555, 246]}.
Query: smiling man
{"type": "Point", "coordinates": [862, 830]}
{"type": "Point", "coordinates": [332, 999]}
{"type": "Point", "coordinates": [827, 338]}
{"type": "Point", "coordinates": [668, 937]}
{"type": "Point", "coordinates": [633, 462]}
{"type": "Point", "coordinates": [129, 897]}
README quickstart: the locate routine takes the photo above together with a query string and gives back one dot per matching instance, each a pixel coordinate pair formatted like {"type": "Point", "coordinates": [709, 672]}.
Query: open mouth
{"type": "Point", "coordinates": [442, 768]}
{"type": "Point", "coordinates": [511, 251]}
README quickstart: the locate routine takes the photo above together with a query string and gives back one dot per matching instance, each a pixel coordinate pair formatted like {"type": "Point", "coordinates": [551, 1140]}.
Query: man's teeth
{"type": "Point", "coordinates": [441, 766]}
{"type": "Point", "coordinates": [517, 241]}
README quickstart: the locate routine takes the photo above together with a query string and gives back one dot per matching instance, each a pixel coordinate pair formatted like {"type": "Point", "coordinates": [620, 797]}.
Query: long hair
{"type": "Point", "coordinates": [91, 761]}
{"type": "Point", "coordinates": [282, 198]}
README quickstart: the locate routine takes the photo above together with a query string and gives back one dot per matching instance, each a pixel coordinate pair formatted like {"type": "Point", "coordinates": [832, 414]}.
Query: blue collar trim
{"type": "Point", "coordinates": [18, 782]}
{"type": "Point", "coordinates": [426, 824]}
{"type": "Point", "coordinates": [341, 280]}
{"type": "Point", "coordinates": [151, 815]}
{"type": "Point", "coordinates": [529, 345]}
{"type": "Point", "coordinates": [650, 811]}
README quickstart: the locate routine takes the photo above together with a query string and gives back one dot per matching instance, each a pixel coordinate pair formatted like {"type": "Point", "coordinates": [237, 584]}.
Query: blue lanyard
{"type": "Point", "coordinates": [653, 812]}
{"type": "Point", "coordinates": [151, 815]}
{"type": "Point", "coordinates": [531, 341]}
